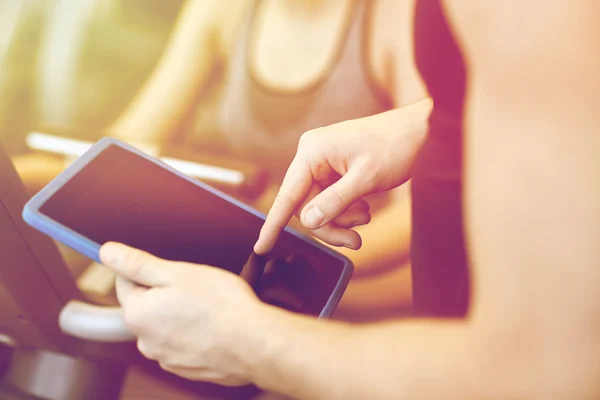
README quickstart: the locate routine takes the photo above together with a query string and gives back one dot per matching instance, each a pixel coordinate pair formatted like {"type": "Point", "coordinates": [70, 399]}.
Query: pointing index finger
{"type": "Point", "coordinates": [295, 187]}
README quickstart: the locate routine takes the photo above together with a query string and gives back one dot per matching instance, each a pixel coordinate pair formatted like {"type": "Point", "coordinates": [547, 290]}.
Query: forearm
{"type": "Point", "coordinates": [310, 359]}
{"type": "Point", "coordinates": [159, 108]}
{"type": "Point", "coordinates": [170, 91]}
{"type": "Point", "coordinates": [408, 126]}
{"type": "Point", "coordinates": [371, 298]}
{"type": "Point", "coordinates": [412, 118]}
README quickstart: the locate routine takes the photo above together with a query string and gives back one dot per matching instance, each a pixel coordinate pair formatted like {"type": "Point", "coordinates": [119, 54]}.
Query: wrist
{"type": "Point", "coordinates": [263, 343]}
{"type": "Point", "coordinates": [286, 350]}
{"type": "Point", "coordinates": [415, 117]}
{"type": "Point", "coordinates": [400, 134]}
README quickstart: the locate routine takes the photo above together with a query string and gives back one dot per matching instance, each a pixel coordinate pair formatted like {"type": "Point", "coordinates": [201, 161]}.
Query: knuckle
{"type": "Point", "coordinates": [359, 206]}
{"type": "Point", "coordinates": [337, 200]}
{"type": "Point", "coordinates": [147, 350]}
{"type": "Point", "coordinates": [283, 197]}
{"type": "Point", "coordinates": [366, 218]}
{"type": "Point", "coordinates": [307, 137]}
{"type": "Point", "coordinates": [321, 171]}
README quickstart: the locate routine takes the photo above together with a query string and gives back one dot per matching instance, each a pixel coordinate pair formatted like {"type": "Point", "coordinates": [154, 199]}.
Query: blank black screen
{"type": "Point", "coordinates": [123, 197]}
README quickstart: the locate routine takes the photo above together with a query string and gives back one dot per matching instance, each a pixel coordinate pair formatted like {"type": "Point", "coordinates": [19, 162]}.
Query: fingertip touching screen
{"type": "Point", "coordinates": [121, 196]}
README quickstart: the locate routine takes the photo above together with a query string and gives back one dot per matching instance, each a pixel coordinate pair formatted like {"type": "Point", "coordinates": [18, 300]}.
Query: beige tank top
{"type": "Point", "coordinates": [263, 123]}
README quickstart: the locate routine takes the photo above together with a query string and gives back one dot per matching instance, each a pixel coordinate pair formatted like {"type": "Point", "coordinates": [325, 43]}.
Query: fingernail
{"type": "Point", "coordinates": [314, 217]}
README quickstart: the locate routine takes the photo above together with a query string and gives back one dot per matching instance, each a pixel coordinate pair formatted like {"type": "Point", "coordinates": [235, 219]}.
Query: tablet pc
{"type": "Point", "coordinates": [230, 174]}
{"type": "Point", "coordinates": [115, 192]}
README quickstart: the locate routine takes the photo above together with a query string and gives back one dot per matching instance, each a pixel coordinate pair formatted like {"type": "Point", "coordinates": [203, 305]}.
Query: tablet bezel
{"type": "Point", "coordinates": [35, 218]}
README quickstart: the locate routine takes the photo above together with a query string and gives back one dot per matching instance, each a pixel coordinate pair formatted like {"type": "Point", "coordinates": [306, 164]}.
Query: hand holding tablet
{"type": "Point", "coordinates": [116, 193]}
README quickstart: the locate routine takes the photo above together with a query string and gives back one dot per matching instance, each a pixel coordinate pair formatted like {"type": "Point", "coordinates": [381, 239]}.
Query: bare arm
{"type": "Point", "coordinates": [386, 241]}
{"type": "Point", "coordinates": [533, 219]}
{"type": "Point", "coordinates": [533, 187]}
{"type": "Point", "coordinates": [191, 54]}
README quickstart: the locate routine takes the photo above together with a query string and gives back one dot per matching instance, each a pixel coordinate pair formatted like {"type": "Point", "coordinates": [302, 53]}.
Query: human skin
{"type": "Point", "coordinates": [532, 160]}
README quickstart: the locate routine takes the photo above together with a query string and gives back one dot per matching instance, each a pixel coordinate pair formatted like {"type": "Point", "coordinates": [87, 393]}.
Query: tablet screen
{"type": "Point", "coordinates": [123, 197]}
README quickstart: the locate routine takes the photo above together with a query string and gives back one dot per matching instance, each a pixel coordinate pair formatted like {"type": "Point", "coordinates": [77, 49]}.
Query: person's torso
{"type": "Point", "coordinates": [263, 122]}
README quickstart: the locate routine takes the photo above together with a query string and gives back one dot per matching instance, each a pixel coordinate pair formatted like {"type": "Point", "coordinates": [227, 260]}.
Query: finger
{"type": "Point", "coordinates": [147, 350]}
{"type": "Point", "coordinates": [126, 290]}
{"type": "Point", "coordinates": [335, 199]}
{"type": "Point", "coordinates": [339, 236]}
{"type": "Point", "coordinates": [292, 192]}
{"type": "Point", "coordinates": [359, 204]}
{"type": "Point", "coordinates": [313, 191]}
{"type": "Point", "coordinates": [336, 235]}
{"type": "Point", "coordinates": [253, 269]}
{"type": "Point", "coordinates": [136, 265]}
{"type": "Point", "coordinates": [351, 218]}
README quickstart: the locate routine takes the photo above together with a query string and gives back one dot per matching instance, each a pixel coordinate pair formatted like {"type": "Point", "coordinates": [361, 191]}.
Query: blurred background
{"type": "Point", "coordinates": [75, 64]}
{"type": "Point", "coordinates": [230, 85]}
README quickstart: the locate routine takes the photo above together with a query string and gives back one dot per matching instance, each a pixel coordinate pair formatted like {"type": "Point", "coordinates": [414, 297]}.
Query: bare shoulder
{"type": "Point", "coordinates": [531, 130]}
{"type": "Point", "coordinates": [496, 35]}
{"type": "Point", "coordinates": [216, 20]}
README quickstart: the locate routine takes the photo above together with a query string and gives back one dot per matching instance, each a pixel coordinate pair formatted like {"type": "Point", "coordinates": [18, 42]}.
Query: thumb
{"type": "Point", "coordinates": [135, 265]}
{"type": "Point", "coordinates": [334, 200]}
